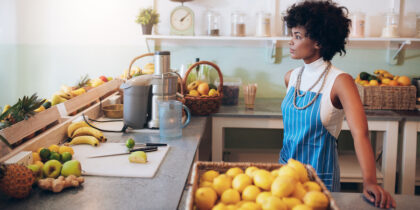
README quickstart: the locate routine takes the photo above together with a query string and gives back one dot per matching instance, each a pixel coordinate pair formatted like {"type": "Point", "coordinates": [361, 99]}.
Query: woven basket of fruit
{"type": "Point", "coordinates": [200, 98]}
{"type": "Point", "coordinates": [386, 91]}
{"type": "Point", "coordinates": [257, 185]}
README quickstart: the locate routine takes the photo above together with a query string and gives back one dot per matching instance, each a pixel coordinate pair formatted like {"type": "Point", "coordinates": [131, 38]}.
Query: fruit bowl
{"type": "Point", "coordinates": [113, 110]}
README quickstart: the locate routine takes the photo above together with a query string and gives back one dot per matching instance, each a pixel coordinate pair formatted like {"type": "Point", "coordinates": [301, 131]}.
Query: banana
{"type": "Point", "coordinates": [89, 131]}
{"type": "Point", "coordinates": [85, 140]}
{"type": "Point", "coordinates": [74, 126]}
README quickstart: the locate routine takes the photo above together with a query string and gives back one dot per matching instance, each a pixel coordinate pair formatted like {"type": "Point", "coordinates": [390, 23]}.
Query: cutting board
{"type": "Point", "coordinates": [118, 165]}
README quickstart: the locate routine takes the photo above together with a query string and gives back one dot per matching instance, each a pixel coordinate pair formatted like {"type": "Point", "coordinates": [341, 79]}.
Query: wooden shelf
{"type": "Point", "coordinates": [272, 38]}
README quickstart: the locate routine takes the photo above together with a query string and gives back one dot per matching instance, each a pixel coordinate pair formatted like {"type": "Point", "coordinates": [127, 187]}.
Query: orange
{"type": "Point", "coordinates": [393, 83]}
{"type": "Point", "coordinates": [203, 88]}
{"type": "Point", "coordinates": [404, 81]}
{"type": "Point", "coordinates": [373, 83]}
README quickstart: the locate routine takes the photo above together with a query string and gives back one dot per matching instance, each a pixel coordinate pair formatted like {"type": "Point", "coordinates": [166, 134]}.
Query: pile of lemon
{"type": "Point", "coordinates": [285, 188]}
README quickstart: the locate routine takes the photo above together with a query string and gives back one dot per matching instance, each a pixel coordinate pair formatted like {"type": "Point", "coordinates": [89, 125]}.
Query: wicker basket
{"type": "Point", "coordinates": [204, 105]}
{"type": "Point", "coordinates": [388, 97]}
{"type": "Point", "coordinates": [200, 167]}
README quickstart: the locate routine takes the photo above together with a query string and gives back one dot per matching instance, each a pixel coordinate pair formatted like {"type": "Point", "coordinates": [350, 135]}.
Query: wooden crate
{"type": "Point", "coordinates": [202, 166]}
{"type": "Point", "coordinates": [93, 95]}
{"type": "Point", "coordinates": [58, 133]}
{"type": "Point", "coordinates": [388, 97]}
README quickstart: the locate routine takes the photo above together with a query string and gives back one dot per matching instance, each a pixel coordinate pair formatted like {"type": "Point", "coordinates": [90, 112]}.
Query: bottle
{"type": "Point", "coordinates": [285, 30]}
{"type": "Point", "coordinates": [391, 25]}
{"type": "Point", "coordinates": [357, 24]}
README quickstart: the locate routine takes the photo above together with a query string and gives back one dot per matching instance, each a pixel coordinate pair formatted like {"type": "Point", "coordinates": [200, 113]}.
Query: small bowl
{"type": "Point", "coordinates": [113, 110]}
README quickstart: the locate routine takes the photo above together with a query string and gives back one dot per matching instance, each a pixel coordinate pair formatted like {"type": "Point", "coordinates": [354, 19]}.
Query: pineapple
{"type": "Point", "coordinates": [16, 180]}
{"type": "Point", "coordinates": [83, 82]}
{"type": "Point", "coordinates": [22, 110]}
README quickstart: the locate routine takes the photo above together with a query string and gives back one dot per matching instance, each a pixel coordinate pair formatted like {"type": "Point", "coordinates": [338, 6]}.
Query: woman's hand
{"type": "Point", "coordinates": [377, 194]}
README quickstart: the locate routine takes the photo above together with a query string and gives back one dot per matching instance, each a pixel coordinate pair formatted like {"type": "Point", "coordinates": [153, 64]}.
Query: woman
{"type": "Point", "coordinates": [319, 96]}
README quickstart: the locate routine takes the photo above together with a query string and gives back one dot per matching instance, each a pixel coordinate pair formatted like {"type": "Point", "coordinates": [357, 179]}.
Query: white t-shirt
{"type": "Point", "coordinates": [331, 117]}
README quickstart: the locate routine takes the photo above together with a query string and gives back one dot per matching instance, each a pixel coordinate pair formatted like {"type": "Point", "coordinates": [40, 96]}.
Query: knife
{"type": "Point", "coordinates": [149, 144]}
{"type": "Point", "coordinates": [144, 149]}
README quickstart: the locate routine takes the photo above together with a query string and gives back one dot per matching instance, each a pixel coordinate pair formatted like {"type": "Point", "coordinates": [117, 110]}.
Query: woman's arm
{"type": "Point", "coordinates": [345, 91]}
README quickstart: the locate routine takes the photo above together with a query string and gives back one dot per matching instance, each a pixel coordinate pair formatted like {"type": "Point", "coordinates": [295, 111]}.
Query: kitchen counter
{"type": "Point", "coordinates": [164, 191]}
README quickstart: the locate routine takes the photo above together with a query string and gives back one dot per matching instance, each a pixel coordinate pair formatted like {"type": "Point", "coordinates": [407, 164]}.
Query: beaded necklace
{"type": "Point", "coordinates": [297, 86]}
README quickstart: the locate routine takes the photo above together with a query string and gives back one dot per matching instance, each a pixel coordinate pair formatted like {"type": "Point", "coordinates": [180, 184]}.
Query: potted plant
{"type": "Point", "coordinates": [147, 18]}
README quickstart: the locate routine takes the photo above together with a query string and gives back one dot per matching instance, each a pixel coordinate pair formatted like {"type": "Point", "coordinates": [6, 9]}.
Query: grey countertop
{"type": "Point", "coordinates": [271, 108]}
{"type": "Point", "coordinates": [164, 191]}
{"type": "Point", "coordinates": [354, 201]}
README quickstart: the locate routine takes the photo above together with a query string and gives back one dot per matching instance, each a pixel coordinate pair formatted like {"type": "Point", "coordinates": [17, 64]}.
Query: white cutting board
{"type": "Point", "coordinates": [118, 165]}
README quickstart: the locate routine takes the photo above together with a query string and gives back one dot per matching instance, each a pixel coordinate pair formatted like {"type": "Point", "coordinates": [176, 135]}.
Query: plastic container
{"type": "Point", "coordinates": [231, 88]}
{"type": "Point", "coordinates": [357, 24]}
{"type": "Point", "coordinates": [285, 31]}
{"type": "Point", "coordinates": [238, 24]}
{"type": "Point", "coordinates": [391, 25]}
{"type": "Point", "coordinates": [213, 23]}
{"type": "Point", "coordinates": [263, 24]}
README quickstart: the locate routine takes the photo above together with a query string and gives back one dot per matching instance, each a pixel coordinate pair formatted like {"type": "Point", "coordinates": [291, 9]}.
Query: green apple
{"type": "Point", "coordinates": [138, 157]}
{"type": "Point", "coordinates": [52, 168]}
{"type": "Point", "coordinates": [71, 167]}
{"type": "Point", "coordinates": [37, 170]}
{"type": "Point", "coordinates": [66, 156]}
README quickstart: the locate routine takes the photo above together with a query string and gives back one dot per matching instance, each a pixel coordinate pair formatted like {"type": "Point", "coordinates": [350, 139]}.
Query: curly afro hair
{"type": "Point", "coordinates": [325, 22]}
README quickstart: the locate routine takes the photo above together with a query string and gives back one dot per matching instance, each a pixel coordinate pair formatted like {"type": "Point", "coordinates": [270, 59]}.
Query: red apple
{"type": "Point", "coordinates": [103, 78]}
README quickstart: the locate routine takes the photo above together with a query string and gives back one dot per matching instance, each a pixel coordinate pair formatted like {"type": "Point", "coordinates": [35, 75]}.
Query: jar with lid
{"type": "Point", "coordinates": [263, 24]}
{"type": "Point", "coordinates": [418, 25]}
{"type": "Point", "coordinates": [357, 24]}
{"type": "Point", "coordinates": [391, 25]}
{"type": "Point", "coordinates": [285, 31]}
{"type": "Point", "coordinates": [213, 23]}
{"type": "Point", "coordinates": [238, 24]}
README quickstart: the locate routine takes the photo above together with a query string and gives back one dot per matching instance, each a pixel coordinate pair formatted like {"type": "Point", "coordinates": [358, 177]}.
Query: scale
{"type": "Point", "coordinates": [182, 20]}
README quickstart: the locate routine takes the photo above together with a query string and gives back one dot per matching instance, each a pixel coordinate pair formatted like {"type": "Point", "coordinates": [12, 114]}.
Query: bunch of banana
{"type": "Point", "coordinates": [384, 76]}
{"type": "Point", "coordinates": [82, 133]}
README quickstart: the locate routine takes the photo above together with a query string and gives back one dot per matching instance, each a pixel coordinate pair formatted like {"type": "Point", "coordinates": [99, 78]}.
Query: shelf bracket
{"type": "Point", "coordinates": [272, 52]}
{"type": "Point", "coordinates": [394, 50]}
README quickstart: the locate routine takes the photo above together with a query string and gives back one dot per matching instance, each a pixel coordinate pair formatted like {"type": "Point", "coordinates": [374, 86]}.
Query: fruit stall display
{"type": "Point", "coordinates": [221, 185]}
{"type": "Point", "coordinates": [382, 90]}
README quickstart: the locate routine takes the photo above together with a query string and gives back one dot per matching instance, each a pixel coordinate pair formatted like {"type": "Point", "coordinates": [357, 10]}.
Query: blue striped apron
{"type": "Point", "coordinates": [307, 140]}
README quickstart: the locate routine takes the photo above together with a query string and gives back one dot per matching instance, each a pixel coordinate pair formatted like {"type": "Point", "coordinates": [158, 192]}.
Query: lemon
{"type": "Point", "coordinates": [275, 172]}
{"type": "Point", "coordinates": [316, 200]}
{"type": "Point", "coordinates": [302, 207]}
{"type": "Point", "coordinates": [40, 163]}
{"type": "Point", "coordinates": [220, 206]}
{"type": "Point", "coordinates": [194, 93]}
{"type": "Point", "coordinates": [206, 184]}
{"type": "Point", "coordinates": [250, 171]}
{"type": "Point", "coordinates": [250, 206]}
{"type": "Point", "coordinates": [263, 179]}
{"type": "Point", "coordinates": [274, 203]}
{"type": "Point", "coordinates": [241, 181]}
{"type": "Point", "coordinates": [53, 148]}
{"type": "Point", "coordinates": [222, 183]}
{"type": "Point", "coordinates": [209, 176]}
{"type": "Point", "coordinates": [63, 149]}
{"type": "Point", "coordinates": [232, 172]}
{"type": "Point", "coordinates": [299, 191]}
{"type": "Point", "coordinates": [299, 168]}
{"type": "Point", "coordinates": [291, 202]}
{"type": "Point", "coordinates": [231, 207]}
{"type": "Point", "coordinates": [213, 92]}
{"type": "Point", "coordinates": [311, 186]}
{"type": "Point", "coordinates": [230, 196]}
{"type": "Point", "coordinates": [35, 157]}
{"type": "Point", "coordinates": [283, 186]}
{"type": "Point", "coordinates": [205, 197]}
{"type": "Point", "coordinates": [288, 171]}
{"type": "Point", "coordinates": [250, 193]}
{"type": "Point", "coordinates": [262, 197]}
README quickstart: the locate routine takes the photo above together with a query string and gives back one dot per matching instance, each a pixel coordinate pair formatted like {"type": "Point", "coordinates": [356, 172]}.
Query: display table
{"type": "Point", "coordinates": [267, 114]}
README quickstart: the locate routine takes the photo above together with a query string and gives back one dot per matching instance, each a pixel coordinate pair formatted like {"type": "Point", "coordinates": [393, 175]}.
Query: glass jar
{"type": "Point", "coordinates": [263, 24]}
{"type": "Point", "coordinates": [391, 25]}
{"type": "Point", "coordinates": [213, 23]}
{"type": "Point", "coordinates": [285, 31]}
{"type": "Point", "coordinates": [238, 24]}
{"type": "Point", "coordinates": [357, 24]}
